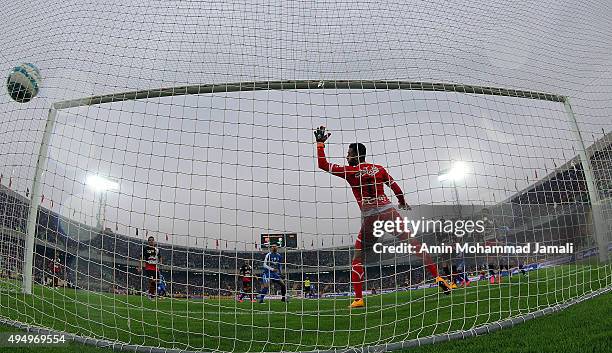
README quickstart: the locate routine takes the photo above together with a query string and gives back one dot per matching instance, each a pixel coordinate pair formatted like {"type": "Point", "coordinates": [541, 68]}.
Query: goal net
{"type": "Point", "coordinates": [171, 148]}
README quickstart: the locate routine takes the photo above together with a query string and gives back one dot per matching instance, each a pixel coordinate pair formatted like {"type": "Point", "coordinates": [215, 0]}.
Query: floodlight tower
{"type": "Point", "coordinates": [100, 185]}
{"type": "Point", "coordinates": [455, 173]}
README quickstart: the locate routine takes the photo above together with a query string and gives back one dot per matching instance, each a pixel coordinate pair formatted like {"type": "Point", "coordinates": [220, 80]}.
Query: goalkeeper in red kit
{"type": "Point", "coordinates": [367, 181]}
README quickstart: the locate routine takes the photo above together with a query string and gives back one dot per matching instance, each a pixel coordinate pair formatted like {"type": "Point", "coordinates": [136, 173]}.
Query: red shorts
{"type": "Point", "coordinates": [366, 239]}
{"type": "Point", "coordinates": [150, 271]}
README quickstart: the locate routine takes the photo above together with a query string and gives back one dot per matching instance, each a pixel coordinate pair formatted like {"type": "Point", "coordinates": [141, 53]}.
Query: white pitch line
{"type": "Point", "coordinates": [243, 310]}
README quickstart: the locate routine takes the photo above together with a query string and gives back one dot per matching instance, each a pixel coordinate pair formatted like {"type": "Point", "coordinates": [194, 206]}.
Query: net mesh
{"type": "Point", "coordinates": [214, 172]}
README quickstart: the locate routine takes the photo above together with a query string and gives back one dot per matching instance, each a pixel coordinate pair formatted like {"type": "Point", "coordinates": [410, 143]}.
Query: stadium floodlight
{"type": "Point", "coordinates": [100, 184]}
{"type": "Point", "coordinates": [457, 172]}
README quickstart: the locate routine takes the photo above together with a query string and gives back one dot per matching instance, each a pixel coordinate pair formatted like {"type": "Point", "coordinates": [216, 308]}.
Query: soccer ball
{"type": "Point", "coordinates": [23, 82]}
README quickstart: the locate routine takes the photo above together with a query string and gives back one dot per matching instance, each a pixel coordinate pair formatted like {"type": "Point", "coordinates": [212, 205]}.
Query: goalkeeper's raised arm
{"type": "Point", "coordinates": [321, 136]}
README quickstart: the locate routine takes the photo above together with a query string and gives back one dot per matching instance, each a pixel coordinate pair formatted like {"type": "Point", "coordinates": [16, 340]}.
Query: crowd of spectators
{"type": "Point", "coordinates": [121, 279]}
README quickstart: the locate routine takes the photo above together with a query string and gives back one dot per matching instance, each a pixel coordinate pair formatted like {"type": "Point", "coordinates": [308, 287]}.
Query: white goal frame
{"type": "Point", "coordinates": [600, 229]}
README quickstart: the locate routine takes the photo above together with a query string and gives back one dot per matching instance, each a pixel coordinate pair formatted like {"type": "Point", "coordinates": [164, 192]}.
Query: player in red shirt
{"type": "Point", "coordinates": [367, 181]}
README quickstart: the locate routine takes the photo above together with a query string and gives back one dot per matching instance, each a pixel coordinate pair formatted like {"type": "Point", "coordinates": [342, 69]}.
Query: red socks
{"type": "Point", "coordinates": [427, 261]}
{"type": "Point", "coordinates": [357, 278]}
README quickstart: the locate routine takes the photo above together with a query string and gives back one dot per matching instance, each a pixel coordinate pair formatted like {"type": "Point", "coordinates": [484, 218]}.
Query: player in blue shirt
{"type": "Point", "coordinates": [272, 273]}
{"type": "Point", "coordinates": [161, 286]}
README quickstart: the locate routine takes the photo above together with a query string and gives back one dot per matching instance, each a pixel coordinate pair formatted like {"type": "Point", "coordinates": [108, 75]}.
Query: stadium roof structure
{"type": "Point", "coordinates": [570, 171]}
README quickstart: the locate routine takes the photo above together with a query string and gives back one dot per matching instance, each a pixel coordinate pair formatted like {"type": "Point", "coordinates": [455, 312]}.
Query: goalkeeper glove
{"type": "Point", "coordinates": [320, 134]}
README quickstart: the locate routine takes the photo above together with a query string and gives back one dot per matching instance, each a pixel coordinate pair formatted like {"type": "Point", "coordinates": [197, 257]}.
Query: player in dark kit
{"type": "Point", "coordinates": [246, 275]}
{"type": "Point", "coordinates": [367, 181]}
{"type": "Point", "coordinates": [150, 260]}
{"type": "Point", "coordinates": [56, 270]}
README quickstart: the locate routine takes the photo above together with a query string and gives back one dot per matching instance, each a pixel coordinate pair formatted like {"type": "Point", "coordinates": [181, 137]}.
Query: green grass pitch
{"type": "Point", "coordinates": [225, 325]}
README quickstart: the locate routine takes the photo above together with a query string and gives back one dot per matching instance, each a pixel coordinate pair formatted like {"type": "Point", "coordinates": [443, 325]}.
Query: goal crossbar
{"type": "Point", "coordinates": [306, 85]}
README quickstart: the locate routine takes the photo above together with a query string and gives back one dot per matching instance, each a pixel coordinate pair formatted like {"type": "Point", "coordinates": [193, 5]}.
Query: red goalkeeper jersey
{"type": "Point", "coordinates": [367, 181]}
